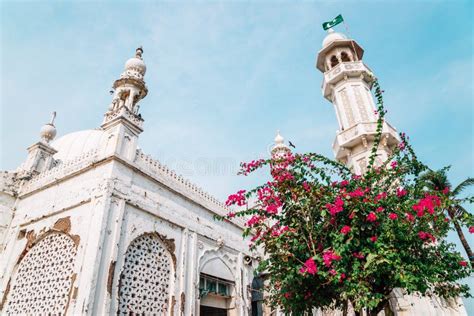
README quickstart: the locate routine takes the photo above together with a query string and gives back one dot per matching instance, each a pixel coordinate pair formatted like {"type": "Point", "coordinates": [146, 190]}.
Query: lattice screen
{"type": "Point", "coordinates": [145, 279]}
{"type": "Point", "coordinates": [42, 282]}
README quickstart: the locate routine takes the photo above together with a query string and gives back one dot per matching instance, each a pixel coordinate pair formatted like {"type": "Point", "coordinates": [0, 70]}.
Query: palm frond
{"type": "Point", "coordinates": [435, 180]}
{"type": "Point", "coordinates": [463, 185]}
{"type": "Point", "coordinates": [459, 211]}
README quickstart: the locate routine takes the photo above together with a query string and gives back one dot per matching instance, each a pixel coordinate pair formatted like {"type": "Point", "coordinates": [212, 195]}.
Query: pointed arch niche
{"type": "Point", "coordinates": [217, 284]}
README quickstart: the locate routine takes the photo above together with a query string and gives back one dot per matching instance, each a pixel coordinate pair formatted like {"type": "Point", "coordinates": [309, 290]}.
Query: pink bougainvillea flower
{"type": "Point", "coordinates": [358, 255]}
{"type": "Point", "coordinates": [373, 238]}
{"type": "Point", "coordinates": [278, 231]}
{"type": "Point", "coordinates": [342, 277]}
{"type": "Point", "coordinates": [357, 193]}
{"type": "Point", "coordinates": [379, 209]}
{"type": "Point", "coordinates": [381, 196]}
{"type": "Point", "coordinates": [337, 207]}
{"type": "Point", "coordinates": [329, 256]}
{"type": "Point", "coordinates": [343, 183]}
{"type": "Point", "coordinates": [463, 263]}
{"type": "Point", "coordinates": [410, 217]}
{"type": "Point", "coordinates": [306, 187]}
{"type": "Point", "coordinates": [253, 220]}
{"type": "Point", "coordinates": [238, 198]}
{"type": "Point", "coordinates": [371, 217]}
{"type": "Point", "coordinates": [426, 236]}
{"type": "Point", "coordinates": [309, 267]}
{"type": "Point", "coordinates": [345, 230]}
{"type": "Point", "coordinates": [471, 229]}
{"type": "Point", "coordinates": [393, 216]}
{"type": "Point", "coordinates": [428, 203]}
{"type": "Point", "coordinates": [401, 192]}
{"type": "Point", "coordinates": [446, 190]}
{"type": "Point", "coordinates": [272, 209]}
{"type": "Point", "coordinates": [394, 164]}
{"type": "Point", "coordinates": [247, 167]}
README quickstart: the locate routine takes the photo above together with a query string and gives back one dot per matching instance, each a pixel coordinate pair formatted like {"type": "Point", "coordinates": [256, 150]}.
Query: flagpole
{"type": "Point", "coordinates": [352, 41]}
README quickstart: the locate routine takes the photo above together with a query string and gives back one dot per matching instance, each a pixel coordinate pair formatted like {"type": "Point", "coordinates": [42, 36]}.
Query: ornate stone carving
{"type": "Point", "coordinates": [62, 169]}
{"type": "Point", "coordinates": [220, 242]}
{"type": "Point", "coordinates": [145, 279]}
{"type": "Point", "coordinates": [360, 104]}
{"type": "Point", "coordinates": [347, 108]}
{"type": "Point", "coordinates": [44, 278]}
{"type": "Point", "coordinates": [180, 184]}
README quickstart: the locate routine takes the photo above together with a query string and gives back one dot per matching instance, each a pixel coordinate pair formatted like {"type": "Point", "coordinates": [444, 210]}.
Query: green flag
{"type": "Point", "coordinates": [338, 19]}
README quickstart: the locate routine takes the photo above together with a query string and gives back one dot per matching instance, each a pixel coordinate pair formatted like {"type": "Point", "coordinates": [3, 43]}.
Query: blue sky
{"type": "Point", "coordinates": [224, 76]}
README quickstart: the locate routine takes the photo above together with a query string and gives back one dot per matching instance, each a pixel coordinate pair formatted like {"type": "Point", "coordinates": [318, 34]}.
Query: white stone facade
{"type": "Point", "coordinates": [89, 224]}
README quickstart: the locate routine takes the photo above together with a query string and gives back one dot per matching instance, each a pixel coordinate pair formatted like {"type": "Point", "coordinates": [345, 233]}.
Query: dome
{"type": "Point", "coordinates": [74, 144]}
{"type": "Point", "coordinates": [135, 64]}
{"type": "Point", "coordinates": [135, 67]}
{"type": "Point", "coordinates": [333, 36]}
{"type": "Point", "coordinates": [279, 139]}
{"type": "Point", "coordinates": [48, 132]}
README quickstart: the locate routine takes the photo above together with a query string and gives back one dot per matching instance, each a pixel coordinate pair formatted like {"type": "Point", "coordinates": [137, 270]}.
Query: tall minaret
{"type": "Point", "coordinates": [346, 84]}
{"type": "Point", "coordinates": [123, 120]}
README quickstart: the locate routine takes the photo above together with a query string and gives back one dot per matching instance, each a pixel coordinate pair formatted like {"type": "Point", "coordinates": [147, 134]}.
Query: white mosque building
{"type": "Point", "coordinates": [89, 224]}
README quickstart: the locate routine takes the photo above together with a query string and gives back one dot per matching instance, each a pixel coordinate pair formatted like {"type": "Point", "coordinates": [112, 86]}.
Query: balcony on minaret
{"type": "Point", "coordinates": [362, 135]}
{"type": "Point", "coordinates": [345, 71]}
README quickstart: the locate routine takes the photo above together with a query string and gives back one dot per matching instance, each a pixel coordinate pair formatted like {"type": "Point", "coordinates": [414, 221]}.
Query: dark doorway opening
{"type": "Point", "coordinates": [212, 311]}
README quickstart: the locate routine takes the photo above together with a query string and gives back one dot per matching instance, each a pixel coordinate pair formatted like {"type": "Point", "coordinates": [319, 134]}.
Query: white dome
{"type": "Point", "coordinates": [333, 36]}
{"type": "Point", "coordinates": [135, 64]}
{"type": "Point", "coordinates": [279, 139]}
{"type": "Point", "coordinates": [74, 144]}
{"type": "Point", "coordinates": [48, 132]}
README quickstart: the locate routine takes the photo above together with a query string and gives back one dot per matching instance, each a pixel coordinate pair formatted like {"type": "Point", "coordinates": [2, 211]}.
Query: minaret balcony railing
{"type": "Point", "coordinates": [361, 133]}
{"type": "Point", "coordinates": [353, 69]}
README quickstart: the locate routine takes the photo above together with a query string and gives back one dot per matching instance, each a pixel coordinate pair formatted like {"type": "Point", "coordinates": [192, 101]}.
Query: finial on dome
{"type": "Point", "coordinates": [53, 117]}
{"type": "Point", "coordinates": [278, 138]}
{"type": "Point", "coordinates": [139, 52]}
{"type": "Point", "coordinates": [48, 131]}
{"type": "Point", "coordinates": [135, 67]}
{"type": "Point", "coordinates": [332, 36]}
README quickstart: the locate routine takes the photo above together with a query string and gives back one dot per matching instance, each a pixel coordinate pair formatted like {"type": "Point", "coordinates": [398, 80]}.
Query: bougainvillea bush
{"type": "Point", "coordinates": [331, 237]}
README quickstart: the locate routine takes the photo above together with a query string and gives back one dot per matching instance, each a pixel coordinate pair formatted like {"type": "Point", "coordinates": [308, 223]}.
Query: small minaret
{"type": "Point", "coordinates": [279, 149]}
{"type": "Point", "coordinates": [346, 84]}
{"type": "Point", "coordinates": [40, 154]}
{"type": "Point", "coordinates": [123, 119]}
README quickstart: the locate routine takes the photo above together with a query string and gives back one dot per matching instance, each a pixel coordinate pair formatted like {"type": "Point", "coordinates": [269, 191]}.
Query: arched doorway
{"type": "Point", "coordinates": [216, 289]}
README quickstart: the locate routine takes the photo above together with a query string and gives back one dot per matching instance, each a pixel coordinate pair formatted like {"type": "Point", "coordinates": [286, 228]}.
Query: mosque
{"type": "Point", "coordinates": [90, 224]}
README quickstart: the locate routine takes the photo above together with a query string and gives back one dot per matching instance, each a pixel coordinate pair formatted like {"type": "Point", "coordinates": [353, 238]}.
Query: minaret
{"type": "Point", "coordinates": [346, 84]}
{"type": "Point", "coordinates": [40, 154]}
{"type": "Point", "coordinates": [123, 119]}
{"type": "Point", "coordinates": [279, 149]}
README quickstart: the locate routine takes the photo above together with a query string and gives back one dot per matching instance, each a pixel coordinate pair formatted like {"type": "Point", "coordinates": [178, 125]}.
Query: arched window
{"type": "Point", "coordinates": [42, 283]}
{"type": "Point", "coordinates": [345, 57]}
{"type": "Point", "coordinates": [145, 278]}
{"type": "Point", "coordinates": [334, 61]}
